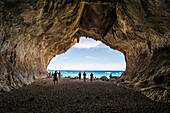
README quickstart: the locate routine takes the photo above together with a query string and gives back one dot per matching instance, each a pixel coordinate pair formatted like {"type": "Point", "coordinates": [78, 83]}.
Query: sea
{"type": "Point", "coordinates": [97, 74]}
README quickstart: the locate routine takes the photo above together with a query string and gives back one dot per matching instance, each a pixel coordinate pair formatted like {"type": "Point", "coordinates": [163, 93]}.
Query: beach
{"type": "Point", "coordinates": [77, 96]}
{"type": "Point", "coordinates": [97, 74]}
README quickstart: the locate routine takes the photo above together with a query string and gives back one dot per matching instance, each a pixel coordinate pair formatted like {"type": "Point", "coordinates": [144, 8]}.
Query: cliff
{"type": "Point", "coordinates": [32, 32]}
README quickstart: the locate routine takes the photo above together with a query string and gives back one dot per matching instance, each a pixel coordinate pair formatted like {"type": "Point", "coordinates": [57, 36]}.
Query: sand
{"type": "Point", "coordinates": [75, 96]}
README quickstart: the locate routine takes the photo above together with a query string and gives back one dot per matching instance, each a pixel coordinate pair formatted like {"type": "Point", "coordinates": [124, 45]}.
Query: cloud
{"type": "Point", "coordinates": [92, 57]}
{"type": "Point", "coordinates": [89, 43]}
{"type": "Point", "coordinates": [88, 67]}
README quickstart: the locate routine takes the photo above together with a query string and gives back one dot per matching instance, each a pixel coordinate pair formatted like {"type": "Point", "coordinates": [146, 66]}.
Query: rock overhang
{"type": "Point", "coordinates": [32, 32]}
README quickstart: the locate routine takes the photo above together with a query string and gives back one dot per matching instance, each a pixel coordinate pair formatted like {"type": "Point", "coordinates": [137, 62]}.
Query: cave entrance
{"type": "Point", "coordinates": [90, 56]}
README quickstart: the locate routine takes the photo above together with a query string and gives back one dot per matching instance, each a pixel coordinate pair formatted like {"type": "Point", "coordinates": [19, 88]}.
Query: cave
{"type": "Point", "coordinates": [32, 32]}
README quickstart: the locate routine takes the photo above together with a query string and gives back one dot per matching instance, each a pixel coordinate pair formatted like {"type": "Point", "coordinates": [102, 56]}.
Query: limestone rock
{"type": "Point", "coordinates": [32, 32]}
{"type": "Point", "coordinates": [104, 78]}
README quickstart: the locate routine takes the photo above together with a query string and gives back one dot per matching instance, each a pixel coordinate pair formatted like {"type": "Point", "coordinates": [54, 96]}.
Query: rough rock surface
{"type": "Point", "coordinates": [32, 32]}
{"type": "Point", "coordinates": [104, 78]}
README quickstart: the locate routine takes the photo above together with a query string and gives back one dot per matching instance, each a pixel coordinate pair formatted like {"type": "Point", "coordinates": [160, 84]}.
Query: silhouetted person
{"type": "Point", "coordinates": [110, 75]}
{"type": "Point", "coordinates": [91, 77]}
{"type": "Point", "coordinates": [59, 75]}
{"type": "Point", "coordinates": [55, 77]}
{"type": "Point", "coordinates": [79, 75]}
{"type": "Point", "coordinates": [84, 75]}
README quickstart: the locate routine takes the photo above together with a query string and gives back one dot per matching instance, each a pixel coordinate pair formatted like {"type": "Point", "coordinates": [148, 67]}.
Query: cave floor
{"type": "Point", "coordinates": [77, 96]}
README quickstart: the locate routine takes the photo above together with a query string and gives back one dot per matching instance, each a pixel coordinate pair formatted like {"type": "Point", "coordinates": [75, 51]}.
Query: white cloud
{"type": "Point", "coordinates": [89, 43]}
{"type": "Point", "coordinates": [88, 67]}
{"type": "Point", "coordinates": [92, 57]}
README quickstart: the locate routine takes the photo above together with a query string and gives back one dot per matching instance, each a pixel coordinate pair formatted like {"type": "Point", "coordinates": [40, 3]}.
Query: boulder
{"type": "Point", "coordinates": [104, 78]}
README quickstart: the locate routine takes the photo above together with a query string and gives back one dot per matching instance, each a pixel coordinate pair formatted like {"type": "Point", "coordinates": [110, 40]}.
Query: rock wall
{"type": "Point", "coordinates": [32, 32]}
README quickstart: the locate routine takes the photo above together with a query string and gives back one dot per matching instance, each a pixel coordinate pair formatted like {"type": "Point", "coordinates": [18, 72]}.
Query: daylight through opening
{"type": "Point", "coordinates": [90, 56]}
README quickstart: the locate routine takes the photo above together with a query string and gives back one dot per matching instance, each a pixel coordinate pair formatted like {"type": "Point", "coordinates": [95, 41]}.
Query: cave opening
{"type": "Point", "coordinates": [90, 56]}
{"type": "Point", "coordinates": [33, 32]}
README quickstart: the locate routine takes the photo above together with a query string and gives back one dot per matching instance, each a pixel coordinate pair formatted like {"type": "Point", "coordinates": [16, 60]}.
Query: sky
{"type": "Point", "coordinates": [89, 54]}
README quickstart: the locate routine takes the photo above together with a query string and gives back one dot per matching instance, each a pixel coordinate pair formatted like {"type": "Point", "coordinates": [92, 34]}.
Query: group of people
{"type": "Point", "coordinates": [84, 76]}
{"type": "Point", "coordinates": [55, 76]}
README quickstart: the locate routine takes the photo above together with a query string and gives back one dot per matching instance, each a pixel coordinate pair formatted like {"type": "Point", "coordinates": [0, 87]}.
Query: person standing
{"type": "Point", "coordinates": [91, 77]}
{"type": "Point", "coordinates": [59, 75]}
{"type": "Point", "coordinates": [55, 77]}
{"type": "Point", "coordinates": [84, 75]}
{"type": "Point", "coordinates": [79, 75]}
{"type": "Point", "coordinates": [110, 75]}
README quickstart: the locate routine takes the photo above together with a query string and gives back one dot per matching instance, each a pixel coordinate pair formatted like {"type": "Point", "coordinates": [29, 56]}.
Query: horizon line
{"type": "Point", "coordinates": [83, 70]}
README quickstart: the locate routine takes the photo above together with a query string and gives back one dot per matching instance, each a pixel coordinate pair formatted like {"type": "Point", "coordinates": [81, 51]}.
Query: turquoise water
{"type": "Point", "coordinates": [96, 74]}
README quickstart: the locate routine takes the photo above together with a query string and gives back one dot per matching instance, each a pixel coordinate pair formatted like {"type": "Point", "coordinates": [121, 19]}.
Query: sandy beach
{"type": "Point", "coordinates": [77, 97]}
